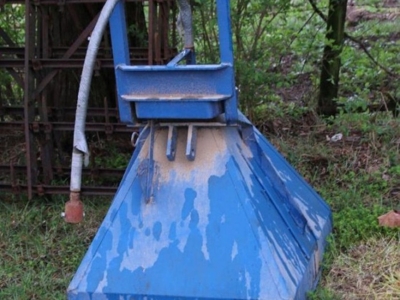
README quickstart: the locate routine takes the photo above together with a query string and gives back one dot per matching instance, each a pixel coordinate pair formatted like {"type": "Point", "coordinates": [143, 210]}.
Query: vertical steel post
{"type": "Point", "coordinates": [164, 29]}
{"type": "Point", "coordinates": [151, 32]}
{"type": "Point", "coordinates": [158, 33]}
{"type": "Point", "coordinates": [27, 92]}
{"type": "Point", "coordinates": [120, 49]}
{"type": "Point", "coordinates": [226, 55]}
{"type": "Point", "coordinates": [45, 139]}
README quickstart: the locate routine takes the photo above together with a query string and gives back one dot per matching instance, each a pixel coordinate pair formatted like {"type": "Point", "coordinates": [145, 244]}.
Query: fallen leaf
{"type": "Point", "coordinates": [391, 219]}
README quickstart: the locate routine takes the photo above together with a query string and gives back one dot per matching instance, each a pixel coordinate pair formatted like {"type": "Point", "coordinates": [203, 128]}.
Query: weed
{"type": "Point", "coordinates": [322, 294]}
{"type": "Point", "coordinates": [367, 270]}
{"type": "Point", "coordinates": [353, 225]}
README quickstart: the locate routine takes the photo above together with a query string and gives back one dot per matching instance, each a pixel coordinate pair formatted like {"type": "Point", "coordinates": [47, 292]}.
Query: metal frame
{"type": "Point", "coordinates": [37, 67]}
{"type": "Point", "coordinates": [175, 97]}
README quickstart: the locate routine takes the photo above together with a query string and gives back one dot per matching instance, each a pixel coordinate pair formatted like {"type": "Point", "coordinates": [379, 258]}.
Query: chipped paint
{"type": "Point", "coordinates": [211, 231]}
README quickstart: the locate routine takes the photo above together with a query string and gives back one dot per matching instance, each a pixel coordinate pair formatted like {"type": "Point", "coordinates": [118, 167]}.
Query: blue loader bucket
{"type": "Point", "coordinates": [237, 222]}
{"type": "Point", "coordinates": [207, 208]}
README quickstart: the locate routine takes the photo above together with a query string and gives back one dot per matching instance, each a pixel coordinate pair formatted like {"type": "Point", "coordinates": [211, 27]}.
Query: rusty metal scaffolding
{"type": "Point", "coordinates": [34, 130]}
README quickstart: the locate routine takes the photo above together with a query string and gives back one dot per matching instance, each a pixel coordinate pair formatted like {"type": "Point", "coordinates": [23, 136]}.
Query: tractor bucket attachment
{"type": "Point", "coordinates": [237, 222]}
{"type": "Point", "coordinates": [207, 208]}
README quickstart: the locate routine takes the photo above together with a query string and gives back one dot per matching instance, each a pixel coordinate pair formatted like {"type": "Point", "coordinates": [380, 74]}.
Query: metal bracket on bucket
{"type": "Point", "coordinates": [171, 143]}
{"type": "Point", "coordinates": [190, 144]}
{"type": "Point", "coordinates": [191, 140]}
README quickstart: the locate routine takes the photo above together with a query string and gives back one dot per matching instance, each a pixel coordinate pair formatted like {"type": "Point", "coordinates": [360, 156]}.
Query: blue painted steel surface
{"type": "Point", "coordinates": [157, 91]}
{"type": "Point", "coordinates": [226, 54]}
{"type": "Point", "coordinates": [177, 92]}
{"type": "Point", "coordinates": [236, 223]}
{"type": "Point", "coordinates": [121, 56]}
{"type": "Point", "coordinates": [186, 53]}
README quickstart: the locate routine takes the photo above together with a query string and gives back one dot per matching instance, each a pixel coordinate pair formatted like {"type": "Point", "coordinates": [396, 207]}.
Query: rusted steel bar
{"type": "Point", "coordinates": [151, 32]}
{"type": "Point", "coordinates": [100, 172]}
{"type": "Point", "coordinates": [27, 100]}
{"type": "Point", "coordinates": [137, 53]}
{"type": "Point", "coordinates": [158, 33]}
{"type": "Point", "coordinates": [6, 37]}
{"type": "Point", "coordinates": [12, 175]}
{"type": "Point", "coordinates": [57, 190]}
{"type": "Point", "coordinates": [66, 126]}
{"type": "Point", "coordinates": [65, 111]}
{"type": "Point", "coordinates": [82, 37]}
{"type": "Point", "coordinates": [80, 52]}
{"type": "Point", "coordinates": [166, 7]}
{"type": "Point", "coordinates": [76, 20]}
{"type": "Point", "coordinates": [59, 63]}
{"type": "Point", "coordinates": [64, 63]}
{"type": "Point", "coordinates": [45, 139]}
{"type": "Point", "coordinates": [38, 55]}
{"type": "Point", "coordinates": [45, 32]}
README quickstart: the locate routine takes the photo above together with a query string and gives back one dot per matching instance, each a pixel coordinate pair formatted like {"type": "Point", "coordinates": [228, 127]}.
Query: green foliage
{"type": "Point", "coordinates": [356, 176]}
{"type": "Point", "coordinates": [353, 225]}
{"type": "Point", "coordinates": [322, 294]}
{"type": "Point", "coordinates": [12, 22]}
{"type": "Point", "coordinates": [278, 41]}
{"type": "Point", "coordinates": [272, 45]}
{"type": "Point", "coordinates": [111, 156]}
{"type": "Point", "coordinates": [275, 108]}
{"type": "Point", "coordinates": [135, 31]}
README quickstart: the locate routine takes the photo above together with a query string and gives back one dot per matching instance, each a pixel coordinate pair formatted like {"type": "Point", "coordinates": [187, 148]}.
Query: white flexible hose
{"type": "Point", "coordinates": [80, 152]}
{"type": "Point", "coordinates": [185, 18]}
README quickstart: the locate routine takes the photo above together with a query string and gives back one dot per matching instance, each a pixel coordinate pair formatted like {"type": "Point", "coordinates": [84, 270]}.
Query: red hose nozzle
{"type": "Point", "coordinates": [73, 209]}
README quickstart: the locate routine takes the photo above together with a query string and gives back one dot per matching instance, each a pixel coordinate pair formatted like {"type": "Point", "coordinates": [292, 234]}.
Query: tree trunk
{"type": "Point", "coordinates": [329, 81]}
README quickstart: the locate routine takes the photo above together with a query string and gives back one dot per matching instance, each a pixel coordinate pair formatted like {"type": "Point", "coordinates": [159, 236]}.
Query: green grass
{"type": "Point", "coordinates": [357, 177]}
{"type": "Point", "coordinates": [39, 252]}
